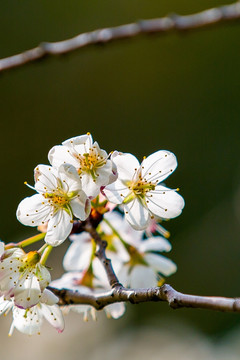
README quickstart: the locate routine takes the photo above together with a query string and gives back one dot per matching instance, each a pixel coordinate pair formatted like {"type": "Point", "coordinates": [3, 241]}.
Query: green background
{"type": "Point", "coordinates": [178, 92]}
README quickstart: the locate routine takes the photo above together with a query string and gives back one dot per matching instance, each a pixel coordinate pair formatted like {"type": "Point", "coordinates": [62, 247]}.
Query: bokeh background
{"type": "Point", "coordinates": [178, 92]}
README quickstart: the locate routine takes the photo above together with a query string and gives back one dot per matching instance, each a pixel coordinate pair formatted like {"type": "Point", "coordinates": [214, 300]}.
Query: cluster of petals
{"type": "Point", "coordinates": [22, 277]}
{"type": "Point", "coordinates": [60, 198]}
{"type": "Point", "coordinates": [138, 188]}
{"type": "Point", "coordinates": [29, 321]}
{"type": "Point", "coordinates": [79, 171]}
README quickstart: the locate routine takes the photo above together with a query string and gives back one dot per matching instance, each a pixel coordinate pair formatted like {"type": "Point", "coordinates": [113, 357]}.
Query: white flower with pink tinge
{"type": "Point", "coordinates": [22, 277]}
{"type": "Point", "coordinates": [93, 166]}
{"type": "Point", "coordinates": [60, 198]}
{"type": "Point", "coordinates": [138, 188]}
{"type": "Point", "coordinates": [29, 321]}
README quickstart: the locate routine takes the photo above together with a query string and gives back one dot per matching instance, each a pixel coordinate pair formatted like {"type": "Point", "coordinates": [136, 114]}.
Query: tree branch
{"type": "Point", "coordinates": [135, 296]}
{"type": "Point", "coordinates": [101, 254]}
{"type": "Point", "coordinates": [163, 25]}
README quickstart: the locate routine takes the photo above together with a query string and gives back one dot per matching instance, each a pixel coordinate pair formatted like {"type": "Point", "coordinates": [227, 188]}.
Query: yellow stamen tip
{"type": "Point", "coordinates": [167, 235]}
{"type": "Point", "coordinates": [88, 133]}
{"type": "Point", "coordinates": [144, 157]}
{"type": "Point", "coordinates": [25, 182]}
{"type": "Point", "coordinates": [177, 189]}
{"type": "Point", "coordinates": [161, 282]}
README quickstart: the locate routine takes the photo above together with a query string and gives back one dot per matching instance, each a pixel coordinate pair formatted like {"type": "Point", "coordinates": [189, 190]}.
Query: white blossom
{"type": "Point", "coordinates": [23, 277]}
{"type": "Point", "coordinates": [92, 163]}
{"type": "Point", "coordinates": [29, 321]}
{"type": "Point", "coordinates": [138, 188]}
{"type": "Point", "coordinates": [59, 199]}
{"type": "Point", "coordinates": [147, 267]}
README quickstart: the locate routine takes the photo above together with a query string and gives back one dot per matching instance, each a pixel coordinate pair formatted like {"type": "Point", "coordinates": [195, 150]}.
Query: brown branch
{"type": "Point", "coordinates": [101, 254]}
{"type": "Point", "coordinates": [162, 25]}
{"type": "Point", "coordinates": [135, 296]}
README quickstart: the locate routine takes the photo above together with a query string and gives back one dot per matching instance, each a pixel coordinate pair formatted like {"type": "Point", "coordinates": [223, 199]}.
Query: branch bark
{"type": "Point", "coordinates": [101, 254]}
{"type": "Point", "coordinates": [162, 25]}
{"type": "Point", "coordinates": [165, 293]}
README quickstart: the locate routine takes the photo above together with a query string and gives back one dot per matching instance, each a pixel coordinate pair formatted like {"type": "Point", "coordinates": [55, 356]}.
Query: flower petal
{"type": "Point", "coordinates": [69, 178]}
{"type": "Point", "coordinates": [143, 277]}
{"type": "Point", "coordinates": [85, 139]}
{"type": "Point", "coordinates": [45, 178]}
{"type": "Point", "coordinates": [89, 186]}
{"type": "Point", "coordinates": [127, 166]}
{"type": "Point", "coordinates": [53, 315]}
{"type": "Point", "coordinates": [59, 155]}
{"type": "Point", "coordinates": [2, 245]}
{"type": "Point", "coordinates": [136, 214]}
{"type": "Point", "coordinates": [161, 264]}
{"type": "Point", "coordinates": [81, 206]}
{"type": "Point", "coordinates": [49, 298]}
{"type": "Point", "coordinates": [33, 211]}
{"type": "Point", "coordinates": [43, 276]}
{"type": "Point", "coordinates": [116, 192]}
{"type": "Point", "coordinates": [5, 305]}
{"type": "Point", "coordinates": [27, 293]}
{"type": "Point", "coordinates": [27, 322]}
{"type": "Point", "coordinates": [78, 255]}
{"type": "Point", "coordinates": [115, 311]}
{"type": "Point", "coordinates": [59, 227]}
{"type": "Point", "coordinates": [158, 166]}
{"type": "Point", "coordinates": [164, 202]}
{"type": "Point", "coordinates": [157, 243]}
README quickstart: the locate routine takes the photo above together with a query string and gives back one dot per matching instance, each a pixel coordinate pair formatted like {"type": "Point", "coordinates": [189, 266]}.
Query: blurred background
{"type": "Point", "coordinates": [178, 92]}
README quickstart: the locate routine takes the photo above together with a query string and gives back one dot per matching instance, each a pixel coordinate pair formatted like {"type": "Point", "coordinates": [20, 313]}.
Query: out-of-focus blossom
{"type": "Point", "coordinates": [81, 251]}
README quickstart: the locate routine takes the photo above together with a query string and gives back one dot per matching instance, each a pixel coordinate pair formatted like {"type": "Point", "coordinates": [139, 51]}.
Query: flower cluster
{"type": "Point", "coordinates": [123, 200]}
{"type": "Point", "coordinates": [80, 170]}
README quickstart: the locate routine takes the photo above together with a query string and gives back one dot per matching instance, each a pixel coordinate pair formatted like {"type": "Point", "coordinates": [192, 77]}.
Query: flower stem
{"type": "Point", "coordinates": [46, 254]}
{"type": "Point", "coordinates": [26, 242]}
{"type": "Point", "coordinates": [41, 250]}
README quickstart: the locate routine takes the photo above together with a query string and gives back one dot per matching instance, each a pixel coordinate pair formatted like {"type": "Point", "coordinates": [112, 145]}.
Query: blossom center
{"type": "Point", "coordinates": [136, 256]}
{"type": "Point", "coordinates": [142, 187]}
{"type": "Point", "coordinates": [29, 260]}
{"type": "Point", "coordinates": [89, 162]}
{"type": "Point", "coordinates": [138, 188]}
{"type": "Point", "coordinates": [57, 200]}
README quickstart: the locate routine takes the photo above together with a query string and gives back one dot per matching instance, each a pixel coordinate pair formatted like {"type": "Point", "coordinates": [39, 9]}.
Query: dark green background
{"type": "Point", "coordinates": [178, 92]}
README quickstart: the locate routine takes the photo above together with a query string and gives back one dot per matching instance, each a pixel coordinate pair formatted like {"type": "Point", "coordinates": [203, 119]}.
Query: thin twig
{"type": "Point", "coordinates": [101, 254]}
{"type": "Point", "coordinates": [135, 296]}
{"type": "Point", "coordinates": [162, 25]}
